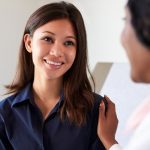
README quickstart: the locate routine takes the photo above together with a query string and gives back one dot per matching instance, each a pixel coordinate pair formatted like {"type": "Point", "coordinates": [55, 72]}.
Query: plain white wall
{"type": "Point", "coordinates": [13, 16]}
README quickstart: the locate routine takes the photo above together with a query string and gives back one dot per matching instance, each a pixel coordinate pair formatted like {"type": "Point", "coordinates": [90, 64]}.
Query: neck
{"type": "Point", "coordinates": [46, 90]}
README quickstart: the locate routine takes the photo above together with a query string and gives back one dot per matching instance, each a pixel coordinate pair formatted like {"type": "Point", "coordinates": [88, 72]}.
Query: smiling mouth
{"type": "Point", "coordinates": [54, 63]}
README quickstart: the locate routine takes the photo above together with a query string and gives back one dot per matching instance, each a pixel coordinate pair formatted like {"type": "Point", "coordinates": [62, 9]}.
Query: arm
{"type": "Point", "coordinates": [107, 125]}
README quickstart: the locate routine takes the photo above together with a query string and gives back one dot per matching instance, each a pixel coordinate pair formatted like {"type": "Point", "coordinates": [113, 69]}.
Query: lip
{"type": "Point", "coordinates": [53, 64]}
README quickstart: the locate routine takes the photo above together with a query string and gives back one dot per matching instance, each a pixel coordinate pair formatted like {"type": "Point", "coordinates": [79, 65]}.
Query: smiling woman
{"type": "Point", "coordinates": [52, 104]}
{"type": "Point", "coordinates": [53, 48]}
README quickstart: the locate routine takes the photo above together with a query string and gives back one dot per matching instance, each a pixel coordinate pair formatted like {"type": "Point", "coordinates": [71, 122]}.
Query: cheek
{"type": "Point", "coordinates": [72, 56]}
{"type": "Point", "coordinates": [140, 67]}
{"type": "Point", "coordinates": [39, 50]}
{"type": "Point", "coordinates": [37, 56]}
{"type": "Point", "coordinates": [126, 42]}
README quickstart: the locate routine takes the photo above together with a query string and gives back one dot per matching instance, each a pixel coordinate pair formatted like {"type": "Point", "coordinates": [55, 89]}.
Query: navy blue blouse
{"type": "Point", "coordinates": [22, 126]}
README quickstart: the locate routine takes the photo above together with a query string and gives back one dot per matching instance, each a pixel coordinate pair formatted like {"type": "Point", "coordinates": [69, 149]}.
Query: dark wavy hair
{"type": "Point", "coordinates": [140, 19]}
{"type": "Point", "coordinates": [78, 96]}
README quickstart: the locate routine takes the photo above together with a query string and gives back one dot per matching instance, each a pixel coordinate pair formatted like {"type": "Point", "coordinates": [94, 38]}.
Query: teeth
{"type": "Point", "coordinates": [53, 63]}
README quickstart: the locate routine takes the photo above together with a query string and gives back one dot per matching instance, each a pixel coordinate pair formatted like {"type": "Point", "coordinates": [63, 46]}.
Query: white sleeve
{"type": "Point", "coordinates": [115, 147]}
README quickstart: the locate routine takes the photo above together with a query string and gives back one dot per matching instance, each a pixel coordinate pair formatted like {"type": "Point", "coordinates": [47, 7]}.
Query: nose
{"type": "Point", "coordinates": [56, 50]}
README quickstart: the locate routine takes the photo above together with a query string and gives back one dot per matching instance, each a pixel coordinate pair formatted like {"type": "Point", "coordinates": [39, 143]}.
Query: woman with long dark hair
{"type": "Point", "coordinates": [52, 105]}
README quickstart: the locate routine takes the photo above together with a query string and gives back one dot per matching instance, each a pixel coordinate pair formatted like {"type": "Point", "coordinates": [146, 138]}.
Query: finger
{"type": "Point", "coordinates": [107, 98]}
{"type": "Point", "coordinates": [110, 103]}
{"type": "Point", "coordinates": [101, 110]}
{"type": "Point", "coordinates": [106, 105]}
{"type": "Point", "coordinates": [112, 107]}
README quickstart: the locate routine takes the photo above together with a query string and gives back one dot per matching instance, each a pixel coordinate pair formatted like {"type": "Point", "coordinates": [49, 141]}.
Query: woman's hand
{"type": "Point", "coordinates": [107, 123]}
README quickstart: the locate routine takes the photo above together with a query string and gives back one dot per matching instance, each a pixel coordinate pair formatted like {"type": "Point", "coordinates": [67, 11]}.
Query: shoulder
{"type": "Point", "coordinates": [8, 100]}
{"type": "Point", "coordinates": [137, 141]}
{"type": "Point", "coordinates": [97, 99]}
{"type": "Point", "coordinates": [93, 121]}
{"type": "Point", "coordinates": [6, 104]}
{"type": "Point", "coordinates": [5, 110]}
{"type": "Point", "coordinates": [95, 109]}
{"type": "Point", "coordinates": [20, 97]}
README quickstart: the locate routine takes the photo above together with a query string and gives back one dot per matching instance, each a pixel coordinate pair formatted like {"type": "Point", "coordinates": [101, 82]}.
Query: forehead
{"type": "Point", "coordinates": [58, 26]}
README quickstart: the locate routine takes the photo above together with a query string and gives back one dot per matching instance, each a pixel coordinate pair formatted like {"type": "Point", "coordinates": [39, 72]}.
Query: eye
{"type": "Point", "coordinates": [69, 43]}
{"type": "Point", "coordinates": [48, 39]}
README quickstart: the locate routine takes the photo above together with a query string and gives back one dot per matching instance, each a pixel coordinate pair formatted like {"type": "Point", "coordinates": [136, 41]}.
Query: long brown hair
{"type": "Point", "coordinates": [78, 96]}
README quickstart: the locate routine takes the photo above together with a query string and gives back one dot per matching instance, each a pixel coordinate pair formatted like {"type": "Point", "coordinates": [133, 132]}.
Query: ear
{"type": "Point", "coordinates": [27, 42]}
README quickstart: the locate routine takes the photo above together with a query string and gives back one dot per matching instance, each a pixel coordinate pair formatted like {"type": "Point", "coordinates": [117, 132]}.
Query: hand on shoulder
{"type": "Point", "coordinates": [107, 123]}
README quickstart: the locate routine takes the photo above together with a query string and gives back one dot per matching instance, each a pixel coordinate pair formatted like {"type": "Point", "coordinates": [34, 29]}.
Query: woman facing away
{"type": "Point", "coordinates": [52, 106]}
{"type": "Point", "coordinates": [136, 41]}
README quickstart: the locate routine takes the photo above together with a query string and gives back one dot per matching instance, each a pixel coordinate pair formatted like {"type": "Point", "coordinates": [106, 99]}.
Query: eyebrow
{"type": "Point", "coordinates": [49, 32]}
{"type": "Point", "coordinates": [73, 37]}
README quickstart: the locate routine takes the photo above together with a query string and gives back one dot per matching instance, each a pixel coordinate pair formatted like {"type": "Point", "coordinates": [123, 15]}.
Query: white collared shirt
{"type": "Point", "coordinates": [140, 139]}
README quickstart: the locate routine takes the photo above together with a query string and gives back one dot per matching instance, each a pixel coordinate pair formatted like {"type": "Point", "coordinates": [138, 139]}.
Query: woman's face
{"type": "Point", "coordinates": [53, 47]}
{"type": "Point", "coordinates": [139, 56]}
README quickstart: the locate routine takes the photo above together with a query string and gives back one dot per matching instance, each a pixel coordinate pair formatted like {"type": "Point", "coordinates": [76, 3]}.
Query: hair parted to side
{"type": "Point", "coordinates": [140, 19]}
{"type": "Point", "coordinates": [78, 96]}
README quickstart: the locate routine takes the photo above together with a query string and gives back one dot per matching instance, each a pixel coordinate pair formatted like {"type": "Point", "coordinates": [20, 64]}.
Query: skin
{"type": "Point", "coordinates": [140, 71]}
{"type": "Point", "coordinates": [107, 124]}
{"type": "Point", "coordinates": [53, 49]}
{"type": "Point", "coordinates": [139, 58]}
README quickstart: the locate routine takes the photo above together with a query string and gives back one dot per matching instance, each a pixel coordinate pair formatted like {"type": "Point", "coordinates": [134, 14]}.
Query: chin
{"type": "Point", "coordinates": [140, 79]}
{"type": "Point", "coordinates": [135, 78]}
